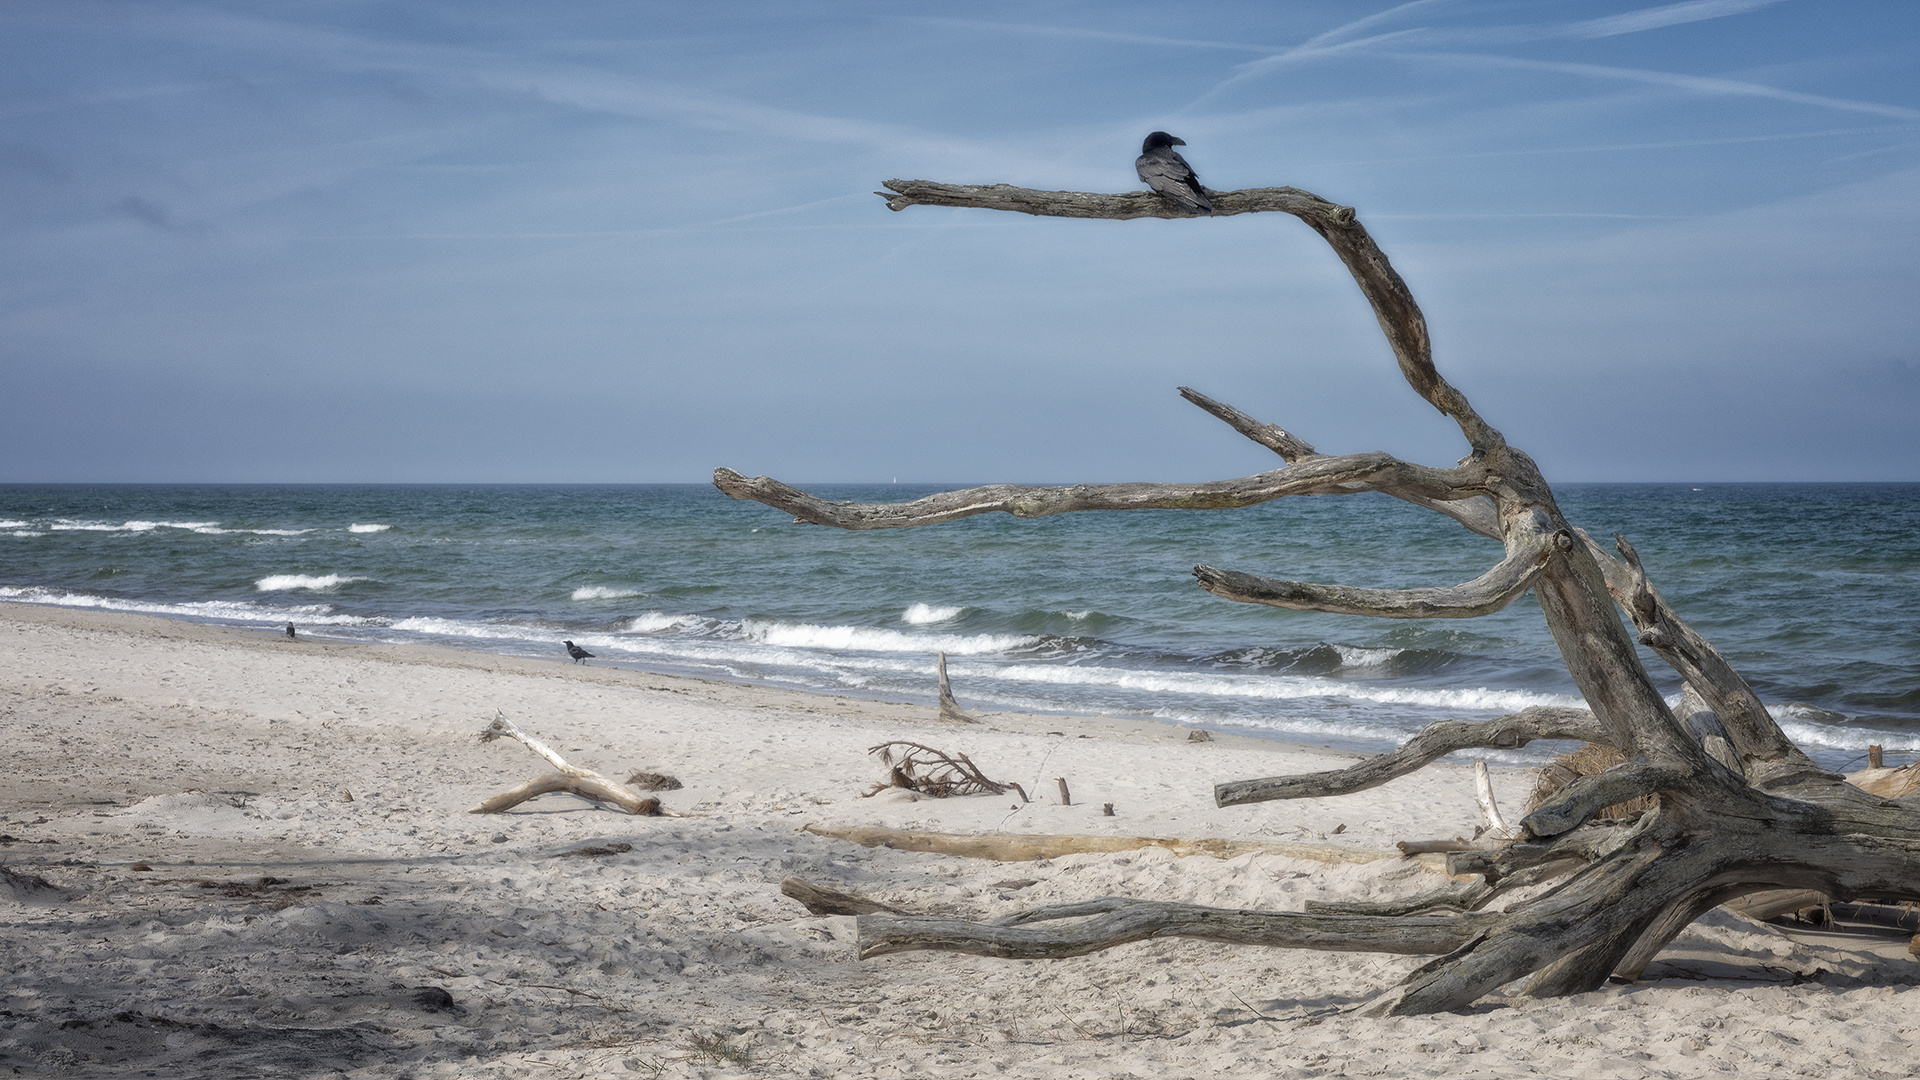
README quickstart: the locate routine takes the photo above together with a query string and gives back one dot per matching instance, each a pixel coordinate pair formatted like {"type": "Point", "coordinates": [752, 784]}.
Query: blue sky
{"type": "Point", "coordinates": [473, 241]}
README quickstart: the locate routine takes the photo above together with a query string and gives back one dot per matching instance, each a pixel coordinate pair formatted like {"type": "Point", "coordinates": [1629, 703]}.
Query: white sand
{"type": "Point", "coordinates": [217, 755]}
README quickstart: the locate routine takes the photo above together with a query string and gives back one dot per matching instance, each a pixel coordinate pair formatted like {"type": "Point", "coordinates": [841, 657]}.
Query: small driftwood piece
{"type": "Point", "coordinates": [824, 901]}
{"type": "Point", "coordinates": [570, 779]}
{"type": "Point", "coordinates": [939, 774]}
{"type": "Point", "coordinates": [950, 709]}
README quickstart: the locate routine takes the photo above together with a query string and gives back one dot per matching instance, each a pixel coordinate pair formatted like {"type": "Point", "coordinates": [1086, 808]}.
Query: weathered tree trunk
{"type": "Point", "coordinates": [1738, 808]}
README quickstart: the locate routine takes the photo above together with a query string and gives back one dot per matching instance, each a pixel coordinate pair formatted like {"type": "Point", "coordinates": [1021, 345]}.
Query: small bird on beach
{"type": "Point", "coordinates": [577, 652]}
{"type": "Point", "coordinates": [290, 632]}
{"type": "Point", "coordinates": [1163, 169]}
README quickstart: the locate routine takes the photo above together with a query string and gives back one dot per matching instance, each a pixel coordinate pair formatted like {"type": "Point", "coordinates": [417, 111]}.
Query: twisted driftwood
{"type": "Point", "coordinates": [570, 779]}
{"type": "Point", "coordinates": [1736, 807]}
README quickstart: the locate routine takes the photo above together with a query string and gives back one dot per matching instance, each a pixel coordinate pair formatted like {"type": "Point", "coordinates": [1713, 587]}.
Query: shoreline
{"type": "Point", "coordinates": [283, 929]}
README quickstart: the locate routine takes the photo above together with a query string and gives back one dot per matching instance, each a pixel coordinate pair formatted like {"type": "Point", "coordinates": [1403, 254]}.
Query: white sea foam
{"type": "Point", "coordinates": [428, 624]}
{"type": "Point", "coordinates": [314, 582]}
{"type": "Point", "coordinates": [25, 532]}
{"type": "Point", "coordinates": [922, 614]}
{"type": "Point", "coordinates": [1811, 726]}
{"type": "Point", "coordinates": [1356, 656]}
{"type": "Point", "coordinates": [653, 622]}
{"type": "Point", "coordinates": [1278, 688]}
{"type": "Point", "coordinates": [877, 639]}
{"type": "Point", "coordinates": [358, 528]}
{"type": "Point", "coordinates": [1076, 616]}
{"type": "Point", "coordinates": [602, 592]}
{"type": "Point", "coordinates": [10, 524]}
{"type": "Point", "coordinates": [239, 610]}
{"type": "Point", "coordinates": [209, 528]}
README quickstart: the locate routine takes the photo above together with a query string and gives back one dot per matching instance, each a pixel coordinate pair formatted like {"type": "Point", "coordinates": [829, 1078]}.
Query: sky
{"type": "Point", "coordinates": [491, 241]}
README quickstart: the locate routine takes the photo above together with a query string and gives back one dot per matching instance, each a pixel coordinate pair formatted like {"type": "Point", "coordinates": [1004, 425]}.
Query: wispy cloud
{"type": "Point", "coordinates": [1085, 34]}
{"type": "Point", "coordinates": [1700, 84]}
{"type": "Point", "coordinates": [1634, 22]}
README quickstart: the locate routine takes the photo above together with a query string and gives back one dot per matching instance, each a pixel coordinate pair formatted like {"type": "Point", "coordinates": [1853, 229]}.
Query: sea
{"type": "Point", "coordinates": [1811, 590]}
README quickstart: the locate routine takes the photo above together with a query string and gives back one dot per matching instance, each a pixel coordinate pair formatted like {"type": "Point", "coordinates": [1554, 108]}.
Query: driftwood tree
{"type": "Point", "coordinates": [1737, 807]}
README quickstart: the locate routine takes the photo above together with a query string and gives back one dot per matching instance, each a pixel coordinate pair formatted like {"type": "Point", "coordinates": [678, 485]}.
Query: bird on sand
{"type": "Point", "coordinates": [290, 632]}
{"type": "Point", "coordinates": [1163, 169]}
{"type": "Point", "coordinates": [577, 652]}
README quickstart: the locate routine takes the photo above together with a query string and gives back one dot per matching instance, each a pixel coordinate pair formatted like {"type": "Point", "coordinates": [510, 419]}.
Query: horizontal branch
{"type": "Point", "coordinates": [1434, 741]}
{"type": "Point", "coordinates": [1506, 582]}
{"type": "Point", "coordinates": [1118, 207]}
{"type": "Point", "coordinates": [1323, 475]}
{"type": "Point", "coordinates": [1393, 304]}
{"type": "Point", "coordinates": [1117, 921]}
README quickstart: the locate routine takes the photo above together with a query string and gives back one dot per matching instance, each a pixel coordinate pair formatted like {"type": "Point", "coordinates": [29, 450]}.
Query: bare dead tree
{"type": "Point", "coordinates": [1736, 806]}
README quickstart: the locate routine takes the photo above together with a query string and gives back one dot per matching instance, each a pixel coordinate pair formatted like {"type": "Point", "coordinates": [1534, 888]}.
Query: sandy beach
{"type": "Point", "coordinates": [260, 862]}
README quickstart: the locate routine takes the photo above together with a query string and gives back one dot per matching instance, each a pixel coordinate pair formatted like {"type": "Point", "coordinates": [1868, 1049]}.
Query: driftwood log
{"type": "Point", "coordinates": [1737, 808]}
{"type": "Point", "coordinates": [570, 779]}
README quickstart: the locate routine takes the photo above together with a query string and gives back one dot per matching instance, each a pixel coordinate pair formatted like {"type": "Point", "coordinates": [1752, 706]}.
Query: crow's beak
{"type": "Point", "coordinates": [1179, 142]}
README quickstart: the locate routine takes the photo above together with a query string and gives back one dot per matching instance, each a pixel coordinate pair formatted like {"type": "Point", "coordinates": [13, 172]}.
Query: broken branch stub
{"type": "Point", "coordinates": [1733, 806]}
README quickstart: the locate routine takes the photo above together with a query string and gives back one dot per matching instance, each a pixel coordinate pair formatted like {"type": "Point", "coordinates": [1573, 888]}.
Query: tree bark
{"type": "Point", "coordinates": [1738, 809]}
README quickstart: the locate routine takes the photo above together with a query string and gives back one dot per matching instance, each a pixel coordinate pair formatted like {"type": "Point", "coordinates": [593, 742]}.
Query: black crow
{"type": "Point", "coordinates": [577, 652]}
{"type": "Point", "coordinates": [290, 632]}
{"type": "Point", "coordinates": [1165, 171]}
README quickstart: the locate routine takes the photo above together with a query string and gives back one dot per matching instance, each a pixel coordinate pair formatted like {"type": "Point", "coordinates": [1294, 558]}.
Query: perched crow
{"type": "Point", "coordinates": [290, 632]}
{"type": "Point", "coordinates": [1165, 171]}
{"type": "Point", "coordinates": [577, 652]}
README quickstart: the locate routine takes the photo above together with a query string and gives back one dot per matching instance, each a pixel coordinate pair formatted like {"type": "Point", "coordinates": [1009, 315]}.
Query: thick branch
{"type": "Point", "coordinates": [1393, 304]}
{"type": "Point", "coordinates": [1326, 475]}
{"type": "Point", "coordinates": [1506, 582]}
{"type": "Point", "coordinates": [1433, 742]}
{"type": "Point", "coordinates": [1121, 207]}
{"type": "Point", "coordinates": [1117, 921]}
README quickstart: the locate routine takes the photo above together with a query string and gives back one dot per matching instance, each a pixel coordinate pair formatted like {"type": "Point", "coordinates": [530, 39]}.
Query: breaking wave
{"type": "Point", "coordinates": [233, 610]}
{"type": "Point", "coordinates": [878, 639]}
{"type": "Point", "coordinates": [313, 582]}
{"type": "Point", "coordinates": [602, 592]}
{"type": "Point", "coordinates": [922, 614]}
{"type": "Point", "coordinates": [357, 528]}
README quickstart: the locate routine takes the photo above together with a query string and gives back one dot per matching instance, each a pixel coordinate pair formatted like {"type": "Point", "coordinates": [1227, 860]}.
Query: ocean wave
{"type": "Point", "coordinates": [878, 639]}
{"type": "Point", "coordinates": [653, 622]}
{"type": "Point", "coordinates": [431, 624]}
{"type": "Point", "coordinates": [206, 528]}
{"type": "Point", "coordinates": [601, 592]}
{"type": "Point", "coordinates": [10, 524]}
{"type": "Point", "coordinates": [1357, 656]}
{"type": "Point", "coordinates": [314, 582]}
{"type": "Point", "coordinates": [1278, 688]}
{"type": "Point", "coordinates": [234, 610]}
{"type": "Point", "coordinates": [25, 532]}
{"type": "Point", "coordinates": [358, 528]}
{"type": "Point", "coordinates": [922, 614]}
